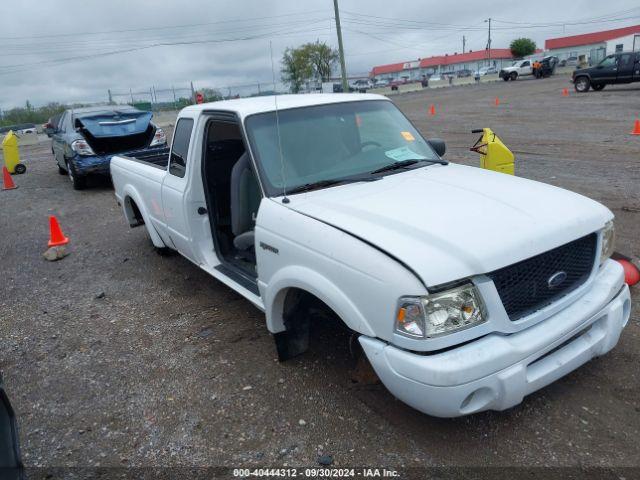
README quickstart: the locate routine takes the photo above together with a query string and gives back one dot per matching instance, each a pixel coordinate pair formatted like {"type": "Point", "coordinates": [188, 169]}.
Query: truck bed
{"type": "Point", "coordinates": [158, 158]}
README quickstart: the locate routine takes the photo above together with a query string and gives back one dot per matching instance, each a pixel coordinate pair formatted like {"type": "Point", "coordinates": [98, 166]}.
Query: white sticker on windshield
{"type": "Point", "coordinates": [403, 153]}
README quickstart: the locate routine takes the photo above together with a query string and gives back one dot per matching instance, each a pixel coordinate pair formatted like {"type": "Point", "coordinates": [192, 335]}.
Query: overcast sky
{"type": "Point", "coordinates": [63, 50]}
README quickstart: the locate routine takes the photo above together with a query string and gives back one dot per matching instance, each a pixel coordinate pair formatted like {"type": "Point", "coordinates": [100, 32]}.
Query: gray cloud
{"type": "Point", "coordinates": [369, 40]}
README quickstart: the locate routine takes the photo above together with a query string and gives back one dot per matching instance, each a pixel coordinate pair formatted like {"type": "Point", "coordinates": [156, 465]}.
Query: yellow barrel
{"type": "Point", "coordinates": [11, 153]}
{"type": "Point", "coordinates": [494, 155]}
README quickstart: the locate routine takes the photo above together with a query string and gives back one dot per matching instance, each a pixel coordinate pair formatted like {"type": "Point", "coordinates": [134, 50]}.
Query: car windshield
{"type": "Point", "coordinates": [331, 142]}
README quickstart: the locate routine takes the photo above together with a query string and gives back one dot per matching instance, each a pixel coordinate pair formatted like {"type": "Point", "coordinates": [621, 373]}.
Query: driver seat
{"type": "Point", "coordinates": [245, 201]}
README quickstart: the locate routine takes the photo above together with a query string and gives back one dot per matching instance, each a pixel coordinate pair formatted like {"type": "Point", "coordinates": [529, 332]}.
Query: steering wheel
{"type": "Point", "coordinates": [370, 143]}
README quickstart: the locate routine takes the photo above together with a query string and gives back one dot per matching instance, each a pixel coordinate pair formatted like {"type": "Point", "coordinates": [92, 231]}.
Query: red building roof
{"type": "Point", "coordinates": [590, 38]}
{"type": "Point", "coordinates": [496, 53]}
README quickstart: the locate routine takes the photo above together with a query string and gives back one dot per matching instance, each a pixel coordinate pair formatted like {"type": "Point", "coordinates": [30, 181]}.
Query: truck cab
{"type": "Point", "coordinates": [622, 67]}
{"type": "Point", "coordinates": [467, 289]}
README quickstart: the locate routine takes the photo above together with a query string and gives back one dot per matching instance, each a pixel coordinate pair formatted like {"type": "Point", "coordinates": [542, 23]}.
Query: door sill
{"type": "Point", "coordinates": [240, 277]}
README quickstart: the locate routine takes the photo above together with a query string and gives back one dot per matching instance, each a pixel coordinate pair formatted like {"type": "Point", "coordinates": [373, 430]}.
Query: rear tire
{"type": "Point", "coordinates": [61, 170]}
{"type": "Point", "coordinates": [582, 84]}
{"type": "Point", "coordinates": [505, 78]}
{"type": "Point", "coordinates": [78, 182]}
{"type": "Point", "coordinates": [513, 76]}
{"type": "Point", "coordinates": [163, 251]}
{"type": "Point", "coordinates": [20, 168]}
{"type": "Point", "coordinates": [599, 86]}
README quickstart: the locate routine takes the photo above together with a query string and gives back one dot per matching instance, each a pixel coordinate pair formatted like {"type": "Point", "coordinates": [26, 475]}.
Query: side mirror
{"type": "Point", "coordinates": [49, 130]}
{"type": "Point", "coordinates": [438, 145]}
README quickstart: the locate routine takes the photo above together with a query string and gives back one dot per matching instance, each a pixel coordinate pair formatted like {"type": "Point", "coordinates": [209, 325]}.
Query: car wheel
{"type": "Point", "coordinates": [597, 87]}
{"type": "Point", "coordinates": [505, 78]}
{"type": "Point", "coordinates": [20, 168]}
{"type": "Point", "coordinates": [581, 84]}
{"type": "Point", "coordinates": [61, 170]}
{"type": "Point", "coordinates": [77, 181]}
{"type": "Point", "coordinates": [513, 76]}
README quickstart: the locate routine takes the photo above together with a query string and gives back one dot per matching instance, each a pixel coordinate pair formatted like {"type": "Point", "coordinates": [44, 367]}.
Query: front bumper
{"type": "Point", "coordinates": [497, 371]}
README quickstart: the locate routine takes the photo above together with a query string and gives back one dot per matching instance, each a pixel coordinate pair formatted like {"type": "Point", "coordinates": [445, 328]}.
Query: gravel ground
{"type": "Point", "coordinates": [115, 356]}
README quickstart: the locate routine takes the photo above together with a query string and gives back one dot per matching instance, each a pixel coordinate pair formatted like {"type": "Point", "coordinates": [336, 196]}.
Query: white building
{"type": "Point", "coordinates": [414, 70]}
{"type": "Point", "coordinates": [595, 46]}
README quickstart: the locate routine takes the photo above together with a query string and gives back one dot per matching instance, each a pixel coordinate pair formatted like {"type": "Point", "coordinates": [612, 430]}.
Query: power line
{"type": "Point", "coordinates": [75, 34]}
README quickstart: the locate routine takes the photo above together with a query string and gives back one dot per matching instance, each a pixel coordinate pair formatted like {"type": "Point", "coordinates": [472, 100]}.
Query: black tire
{"type": "Point", "coordinates": [61, 170]}
{"type": "Point", "coordinates": [513, 76]}
{"type": "Point", "coordinates": [582, 84]}
{"type": "Point", "coordinates": [78, 182]}
{"type": "Point", "coordinates": [505, 78]}
{"type": "Point", "coordinates": [598, 86]}
{"type": "Point", "coordinates": [20, 168]}
{"type": "Point", "coordinates": [163, 251]}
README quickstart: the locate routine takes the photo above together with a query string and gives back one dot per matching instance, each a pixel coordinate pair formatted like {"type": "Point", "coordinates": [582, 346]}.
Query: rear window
{"type": "Point", "coordinates": [180, 147]}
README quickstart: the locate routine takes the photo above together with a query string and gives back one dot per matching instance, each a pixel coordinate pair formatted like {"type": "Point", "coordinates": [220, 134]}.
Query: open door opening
{"type": "Point", "coordinates": [233, 195]}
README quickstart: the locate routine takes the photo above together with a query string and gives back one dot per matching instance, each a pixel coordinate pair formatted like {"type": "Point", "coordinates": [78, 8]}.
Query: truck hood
{"type": "Point", "coordinates": [509, 69]}
{"type": "Point", "coordinates": [450, 222]}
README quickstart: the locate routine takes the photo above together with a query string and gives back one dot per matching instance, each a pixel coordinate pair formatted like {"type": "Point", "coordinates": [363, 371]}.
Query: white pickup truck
{"type": "Point", "coordinates": [519, 68]}
{"type": "Point", "coordinates": [469, 289]}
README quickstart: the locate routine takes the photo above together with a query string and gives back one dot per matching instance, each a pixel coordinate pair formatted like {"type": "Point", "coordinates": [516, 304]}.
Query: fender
{"type": "Point", "coordinates": [129, 191]}
{"type": "Point", "coordinates": [296, 276]}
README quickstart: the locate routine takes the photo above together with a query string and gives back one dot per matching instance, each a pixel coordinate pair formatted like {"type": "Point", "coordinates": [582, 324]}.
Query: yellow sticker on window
{"type": "Point", "coordinates": [407, 136]}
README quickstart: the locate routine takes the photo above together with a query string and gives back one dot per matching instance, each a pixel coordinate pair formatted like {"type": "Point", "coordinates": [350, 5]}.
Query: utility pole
{"type": "Point", "coordinates": [489, 41]}
{"type": "Point", "coordinates": [343, 67]}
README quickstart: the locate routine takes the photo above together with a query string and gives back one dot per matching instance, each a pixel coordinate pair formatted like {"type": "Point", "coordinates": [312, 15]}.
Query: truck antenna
{"type": "Point", "coordinates": [275, 100]}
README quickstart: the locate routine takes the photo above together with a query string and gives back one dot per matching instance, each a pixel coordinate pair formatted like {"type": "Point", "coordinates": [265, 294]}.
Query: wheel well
{"type": "Point", "coordinates": [299, 309]}
{"type": "Point", "coordinates": [133, 212]}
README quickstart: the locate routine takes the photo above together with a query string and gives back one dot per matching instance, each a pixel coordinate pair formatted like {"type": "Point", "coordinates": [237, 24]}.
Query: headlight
{"type": "Point", "coordinates": [440, 313]}
{"type": "Point", "coordinates": [608, 241]}
{"type": "Point", "coordinates": [81, 147]}
{"type": "Point", "coordinates": [159, 138]}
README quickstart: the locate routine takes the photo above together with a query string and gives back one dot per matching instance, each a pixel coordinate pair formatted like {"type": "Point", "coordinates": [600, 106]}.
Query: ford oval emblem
{"type": "Point", "coordinates": [556, 279]}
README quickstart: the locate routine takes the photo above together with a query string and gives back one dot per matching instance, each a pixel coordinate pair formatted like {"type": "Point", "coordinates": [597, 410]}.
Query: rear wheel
{"type": "Point", "coordinates": [61, 170]}
{"type": "Point", "coordinates": [505, 78]}
{"type": "Point", "coordinates": [20, 168]}
{"type": "Point", "coordinates": [597, 87]}
{"type": "Point", "coordinates": [581, 84]}
{"type": "Point", "coordinates": [78, 182]}
{"type": "Point", "coordinates": [513, 76]}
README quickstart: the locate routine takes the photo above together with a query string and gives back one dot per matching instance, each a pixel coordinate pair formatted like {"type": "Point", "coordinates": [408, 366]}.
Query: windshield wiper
{"type": "Point", "coordinates": [307, 187]}
{"type": "Point", "coordinates": [406, 163]}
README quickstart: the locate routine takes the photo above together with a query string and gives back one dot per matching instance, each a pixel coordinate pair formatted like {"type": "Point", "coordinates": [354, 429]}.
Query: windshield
{"type": "Point", "coordinates": [329, 142]}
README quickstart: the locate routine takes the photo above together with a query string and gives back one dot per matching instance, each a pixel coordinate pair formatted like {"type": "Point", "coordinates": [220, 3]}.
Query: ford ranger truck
{"type": "Point", "coordinates": [469, 289]}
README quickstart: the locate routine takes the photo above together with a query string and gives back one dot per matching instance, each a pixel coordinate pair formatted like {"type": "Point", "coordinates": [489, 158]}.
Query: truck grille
{"type": "Point", "coordinates": [524, 286]}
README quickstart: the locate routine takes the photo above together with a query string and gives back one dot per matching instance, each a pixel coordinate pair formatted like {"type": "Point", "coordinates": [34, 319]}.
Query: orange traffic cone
{"type": "Point", "coordinates": [565, 92]}
{"type": "Point", "coordinates": [636, 128]}
{"type": "Point", "coordinates": [7, 181]}
{"type": "Point", "coordinates": [56, 237]}
{"type": "Point", "coordinates": [432, 110]}
{"type": "Point", "coordinates": [497, 101]}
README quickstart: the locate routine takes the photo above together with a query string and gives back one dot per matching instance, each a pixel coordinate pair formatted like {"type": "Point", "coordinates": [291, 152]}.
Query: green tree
{"type": "Point", "coordinates": [323, 59]}
{"type": "Point", "coordinates": [521, 47]}
{"type": "Point", "coordinates": [296, 68]}
{"type": "Point", "coordinates": [309, 61]}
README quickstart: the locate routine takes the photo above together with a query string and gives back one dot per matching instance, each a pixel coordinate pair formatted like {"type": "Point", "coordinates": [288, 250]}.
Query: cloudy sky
{"type": "Point", "coordinates": [76, 50]}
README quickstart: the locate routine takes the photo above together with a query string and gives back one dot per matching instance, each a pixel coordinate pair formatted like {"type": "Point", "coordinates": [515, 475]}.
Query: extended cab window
{"type": "Point", "coordinates": [180, 147]}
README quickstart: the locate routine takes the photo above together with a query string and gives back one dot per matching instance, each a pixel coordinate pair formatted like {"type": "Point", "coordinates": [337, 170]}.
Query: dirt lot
{"type": "Point", "coordinates": [115, 356]}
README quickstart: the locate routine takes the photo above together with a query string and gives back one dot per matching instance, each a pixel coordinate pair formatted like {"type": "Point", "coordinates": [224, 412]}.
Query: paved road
{"type": "Point", "coordinates": [116, 356]}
